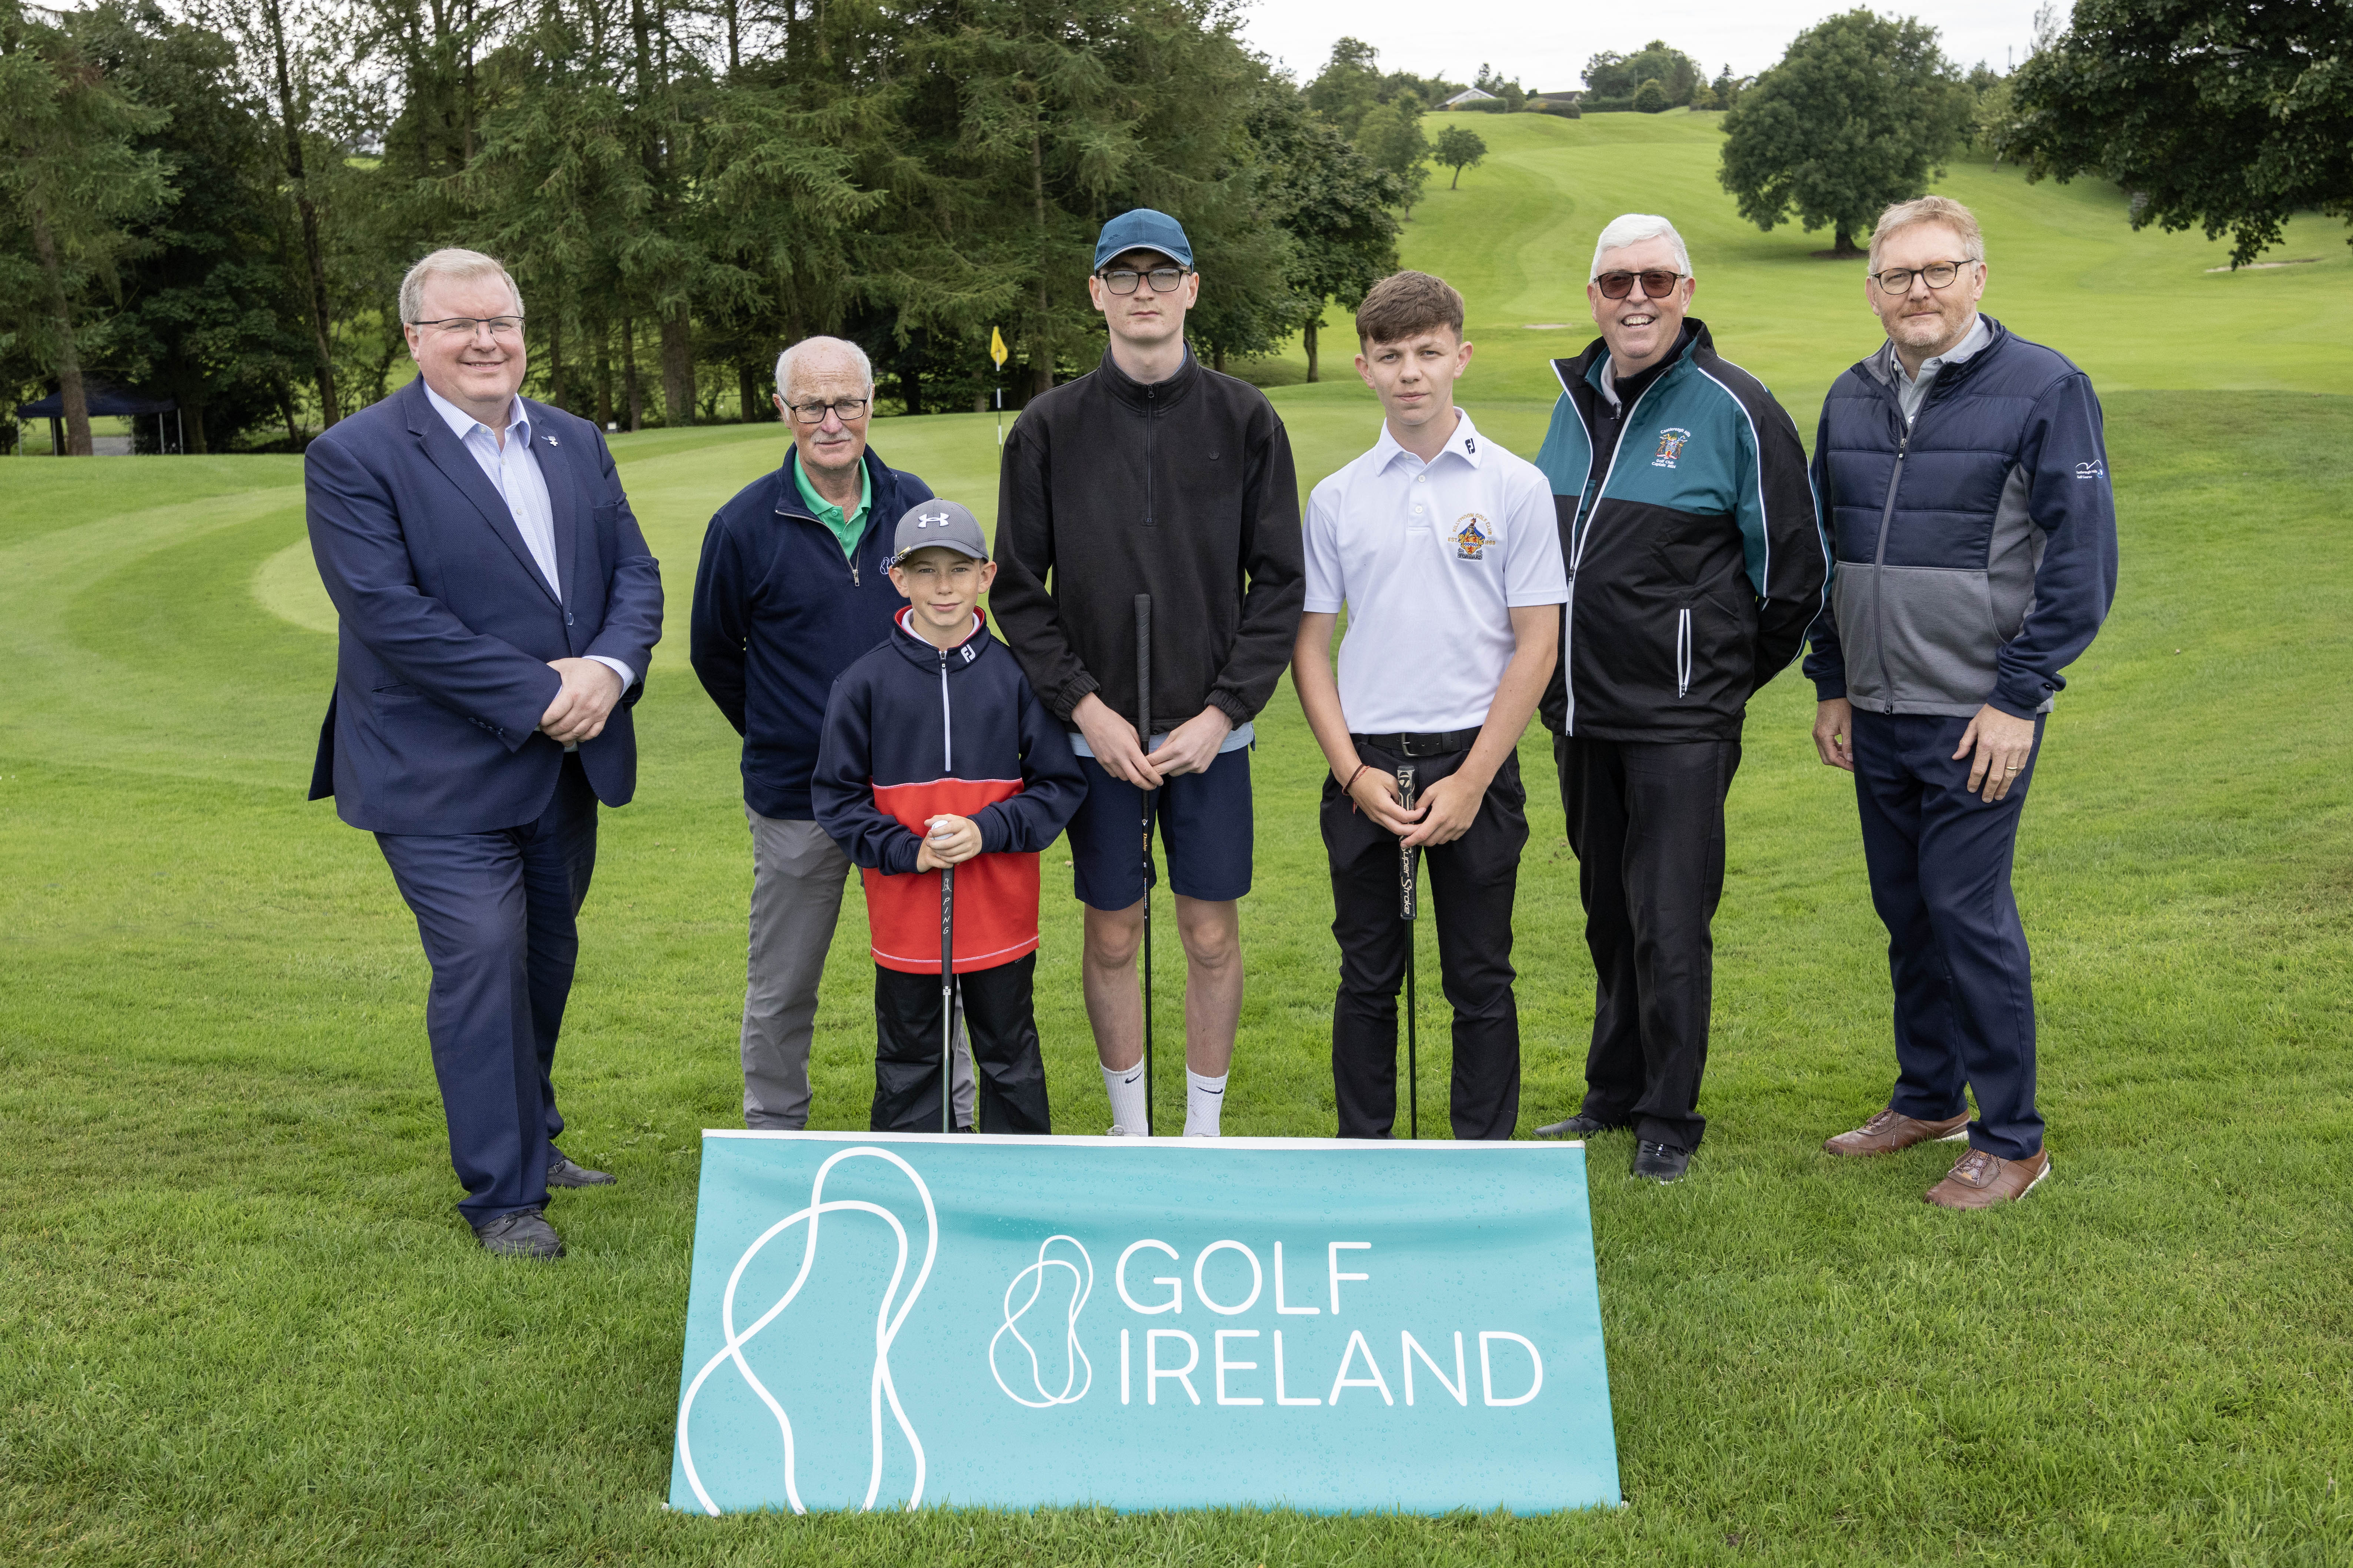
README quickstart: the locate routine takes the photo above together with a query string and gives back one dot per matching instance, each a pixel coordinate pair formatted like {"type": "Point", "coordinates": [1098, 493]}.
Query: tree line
{"type": "Point", "coordinates": [215, 202]}
{"type": "Point", "coordinates": [212, 201]}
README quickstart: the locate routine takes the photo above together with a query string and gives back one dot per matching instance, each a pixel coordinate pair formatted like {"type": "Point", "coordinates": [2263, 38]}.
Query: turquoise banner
{"type": "Point", "coordinates": [896, 1320]}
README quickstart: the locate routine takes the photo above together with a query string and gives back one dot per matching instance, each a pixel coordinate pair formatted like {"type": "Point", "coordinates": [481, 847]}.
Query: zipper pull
{"type": "Point", "coordinates": [853, 572]}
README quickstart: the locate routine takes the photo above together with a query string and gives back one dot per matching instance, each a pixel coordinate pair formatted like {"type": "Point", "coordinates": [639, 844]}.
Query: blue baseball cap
{"type": "Point", "coordinates": [1144, 229]}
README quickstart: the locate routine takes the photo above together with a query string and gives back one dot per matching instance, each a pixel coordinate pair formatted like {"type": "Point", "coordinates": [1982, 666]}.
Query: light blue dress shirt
{"type": "Point", "coordinates": [512, 468]}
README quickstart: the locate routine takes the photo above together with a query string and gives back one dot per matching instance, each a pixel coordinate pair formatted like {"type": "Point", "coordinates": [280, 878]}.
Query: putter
{"type": "Point", "coordinates": [947, 999]}
{"type": "Point", "coordinates": [1408, 885]}
{"type": "Point", "coordinates": [1143, 737]}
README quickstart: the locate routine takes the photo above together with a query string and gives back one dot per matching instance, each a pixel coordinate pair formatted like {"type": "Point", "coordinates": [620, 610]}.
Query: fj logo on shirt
{"type": "Point", "coordinates": [1471, 535]}
{"type": "Point", "coordinates": [1671, 447]}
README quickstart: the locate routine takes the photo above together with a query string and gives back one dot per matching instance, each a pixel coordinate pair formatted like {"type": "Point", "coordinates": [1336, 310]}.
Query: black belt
{"type": "Point", "coordinates": [1421, 745]}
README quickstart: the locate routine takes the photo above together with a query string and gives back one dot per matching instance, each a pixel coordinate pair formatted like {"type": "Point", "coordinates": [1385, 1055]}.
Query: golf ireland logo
{"type": "Point", "coordinates": [1080, 1373]}
{"type": "Point", "coordinates": [993, 1322]}
{"type": "Point", "coordinates": [1671, 447]}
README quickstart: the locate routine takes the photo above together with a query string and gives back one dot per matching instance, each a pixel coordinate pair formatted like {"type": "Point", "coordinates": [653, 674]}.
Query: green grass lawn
{"type": "Point", "coordinates": [241, 1323]}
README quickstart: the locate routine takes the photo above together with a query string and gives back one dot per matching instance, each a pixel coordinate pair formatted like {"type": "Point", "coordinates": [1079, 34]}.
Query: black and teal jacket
{"type": "Point", "coordinates": [1696, 556]}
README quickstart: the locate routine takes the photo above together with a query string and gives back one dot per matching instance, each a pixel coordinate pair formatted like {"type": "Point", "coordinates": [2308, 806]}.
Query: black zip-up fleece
{"type": "Point", "coordinates": [1182, 490]}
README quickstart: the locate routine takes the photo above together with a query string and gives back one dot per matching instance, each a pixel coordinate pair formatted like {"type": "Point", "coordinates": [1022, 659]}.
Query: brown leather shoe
{"type": "Point", "coordinates": [1892, 1130]}
{"type": "Point", "coordinates": [1982, 1180]}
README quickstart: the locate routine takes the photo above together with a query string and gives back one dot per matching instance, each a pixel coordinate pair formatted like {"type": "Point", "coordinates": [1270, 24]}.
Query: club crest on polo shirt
{"type": "Point", "coordinates": [1671, 447]}
{"type": "Point", "coordinates": [1471, 535]}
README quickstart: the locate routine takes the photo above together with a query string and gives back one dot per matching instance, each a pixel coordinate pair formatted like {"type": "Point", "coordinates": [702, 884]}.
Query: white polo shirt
{"type": "Point", "coordinates": [1429, 560]}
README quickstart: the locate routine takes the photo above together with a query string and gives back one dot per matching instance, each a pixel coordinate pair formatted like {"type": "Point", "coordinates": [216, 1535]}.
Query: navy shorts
{"type": "Point", "coordinates": [1205, 834]}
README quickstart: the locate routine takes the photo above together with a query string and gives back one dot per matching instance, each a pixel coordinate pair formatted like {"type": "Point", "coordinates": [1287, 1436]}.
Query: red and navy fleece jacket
{"type": "Point", "coordinates": [912, 732]}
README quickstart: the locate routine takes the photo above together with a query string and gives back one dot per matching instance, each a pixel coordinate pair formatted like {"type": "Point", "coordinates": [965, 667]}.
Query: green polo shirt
{"type": "Point", "coordinates": [846, 528]}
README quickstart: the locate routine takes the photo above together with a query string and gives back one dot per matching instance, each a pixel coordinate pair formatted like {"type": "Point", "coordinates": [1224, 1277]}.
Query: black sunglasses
{"type": "Point", "coordinates": [1657, 283]}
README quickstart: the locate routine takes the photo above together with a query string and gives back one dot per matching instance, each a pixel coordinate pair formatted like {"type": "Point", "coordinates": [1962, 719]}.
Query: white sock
{"type": "Point", "coordinates": [1125, 1087]}
{"type": "Point", "coordinates": [1204, 1098]}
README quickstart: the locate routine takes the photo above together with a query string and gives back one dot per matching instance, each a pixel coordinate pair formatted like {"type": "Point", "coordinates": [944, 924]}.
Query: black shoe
{"type": "Point", "coordinates": [564, 1173]}
{"type": "Point", "coordinates": [1658, 1162]}
{"type": "Point", "coordinates": [1578, 1126]}
{"type": "Point", "coordinates": [523, 1233]}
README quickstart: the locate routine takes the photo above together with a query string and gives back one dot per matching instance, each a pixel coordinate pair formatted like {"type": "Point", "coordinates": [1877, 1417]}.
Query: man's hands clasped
{"type": "Point", "coordinates": [581, 703]}
{"type": "Point", "coordinates": [1442, 812]}
{"type": "Point", "coordinates": [1190, 748]}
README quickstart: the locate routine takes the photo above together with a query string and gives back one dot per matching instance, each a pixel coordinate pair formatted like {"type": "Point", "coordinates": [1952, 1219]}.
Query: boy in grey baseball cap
{"type": "Point", "coordinates": [937, 754]}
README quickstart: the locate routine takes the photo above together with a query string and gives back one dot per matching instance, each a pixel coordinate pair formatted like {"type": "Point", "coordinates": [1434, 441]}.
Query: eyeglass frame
{"type": "Point", "coordinates": [1142, 276]}
{"type": "Point", "coordinates": [832, 407]}
{"type": "Point", "coordinates": [1634, 276]}
{"type": "Point", "coordinates": [473, 323]}
{"type": "Point", "coordinates": [1878, 278]}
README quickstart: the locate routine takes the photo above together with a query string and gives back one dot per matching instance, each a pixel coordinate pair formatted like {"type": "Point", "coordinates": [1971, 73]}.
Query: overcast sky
{"type": "Point", "coordinates": [1546, 44]}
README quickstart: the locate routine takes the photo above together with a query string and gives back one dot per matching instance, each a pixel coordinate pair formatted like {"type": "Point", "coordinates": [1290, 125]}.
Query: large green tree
{"type": "Point", "coordinates": [1858, 115]}
{"type": "Point", "coordinates": [1615, 76]}
{"type": "Point", "coordinates": [1332, 204]}
{"type": "Point", "coordinates": [1392, 139]}
{"type": "Point", "coordinates": [202, 315]}
{"type": "Point", "coordinates": [76, 181]}
{"type": "Point", "coordinates": [2229, 115]}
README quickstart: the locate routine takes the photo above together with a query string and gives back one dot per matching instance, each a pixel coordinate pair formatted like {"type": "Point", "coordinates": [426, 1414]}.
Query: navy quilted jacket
{"type": "Point", "coordinates": [1976, 551]}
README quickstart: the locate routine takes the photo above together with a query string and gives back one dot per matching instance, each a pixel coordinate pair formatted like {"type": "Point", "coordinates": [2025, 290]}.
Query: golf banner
{"type": "Point", "coordinates": [907, 1321]}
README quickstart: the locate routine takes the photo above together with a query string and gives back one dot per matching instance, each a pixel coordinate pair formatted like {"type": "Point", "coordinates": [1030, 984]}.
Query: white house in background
{"type": "Point", "coordinates": [1468, 95]}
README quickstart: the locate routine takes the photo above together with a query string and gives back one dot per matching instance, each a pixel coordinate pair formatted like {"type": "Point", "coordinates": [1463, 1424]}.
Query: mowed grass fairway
{"type": "Point", "coordinates": [240, 1323]}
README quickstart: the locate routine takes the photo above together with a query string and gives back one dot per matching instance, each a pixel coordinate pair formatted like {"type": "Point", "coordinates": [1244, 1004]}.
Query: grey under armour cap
{"type": "Point", "coordinates": [940, 522]}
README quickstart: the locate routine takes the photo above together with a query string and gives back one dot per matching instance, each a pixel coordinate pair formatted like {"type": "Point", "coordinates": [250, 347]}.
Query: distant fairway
{"type": "Point", "coordinates": [240, 1323]}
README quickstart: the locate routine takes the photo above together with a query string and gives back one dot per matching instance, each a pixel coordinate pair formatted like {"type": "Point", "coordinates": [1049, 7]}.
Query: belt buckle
{"type": "Point", "coordinates": [1405, 745]}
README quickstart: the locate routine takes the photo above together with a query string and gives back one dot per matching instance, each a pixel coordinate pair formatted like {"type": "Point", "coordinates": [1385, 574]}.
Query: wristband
{"type": "Point", "coordinates": [1353, 777]}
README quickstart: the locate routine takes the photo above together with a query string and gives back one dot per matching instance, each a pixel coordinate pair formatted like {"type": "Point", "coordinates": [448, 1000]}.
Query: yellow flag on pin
{"type": "Point", "coordinates": [996, 349]}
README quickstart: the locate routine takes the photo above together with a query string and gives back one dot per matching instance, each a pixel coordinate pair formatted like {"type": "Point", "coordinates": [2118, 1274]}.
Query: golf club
{"type": "Point", "coordinates": [1408, 908]}
{"type": "Point", "coordinates": [1144, 739]}
{"type": "Point", "coordinates": [947, 999]}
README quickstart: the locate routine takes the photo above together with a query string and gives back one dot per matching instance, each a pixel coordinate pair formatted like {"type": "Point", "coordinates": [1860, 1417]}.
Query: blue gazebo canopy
{"type": "Point", "coordinates": [105, 403]}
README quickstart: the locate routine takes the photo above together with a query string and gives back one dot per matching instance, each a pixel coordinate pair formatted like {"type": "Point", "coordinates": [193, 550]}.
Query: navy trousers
{"type": "Point", "coordinates": [497, 913]}
{"type": "Point", "coordinates": [1939, 858]}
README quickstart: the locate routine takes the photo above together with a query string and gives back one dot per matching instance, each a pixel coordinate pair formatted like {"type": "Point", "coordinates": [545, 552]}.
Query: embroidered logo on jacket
{"type": "Point", "coordinates": [1471, 535]}
{"type": "Point", "coordinates": [1671, 447]}
{"type": "Point", "coordinates": [2091, 470]}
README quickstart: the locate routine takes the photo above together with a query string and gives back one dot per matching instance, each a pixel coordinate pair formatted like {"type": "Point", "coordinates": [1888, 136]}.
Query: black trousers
{"type": "Point", "coordinates": [1647, 824]}
{"type": "Point", "coordinates": [1009, 1065]}
{"type": "Point", "coordinates": [1939, 859]}
{"type": "Point", "coordinates": [1472, 884]}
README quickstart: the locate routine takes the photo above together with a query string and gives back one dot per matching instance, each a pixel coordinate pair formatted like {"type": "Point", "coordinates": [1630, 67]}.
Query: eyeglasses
{"type": "Point", "coordinates": [1123, 279]}
{"type": "Point", "coordinates": [1657, 283]}
{"type": "Point", "coordinates": [1938, 274]}
{"type": "Point", "coordinates": [463, 326]}
{"type": "Point", "coordinates": [844, 408]}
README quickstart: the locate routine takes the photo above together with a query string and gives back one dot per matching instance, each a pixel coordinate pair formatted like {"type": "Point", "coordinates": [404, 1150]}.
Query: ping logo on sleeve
{"type": "Point", "coordinates": [1471, 535]}
{"type": "Point", "coordinates": [1671, 447]}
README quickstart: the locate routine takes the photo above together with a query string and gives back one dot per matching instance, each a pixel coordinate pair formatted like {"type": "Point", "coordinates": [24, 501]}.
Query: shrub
{"type": "Point", "coordinates": [1652, 99]}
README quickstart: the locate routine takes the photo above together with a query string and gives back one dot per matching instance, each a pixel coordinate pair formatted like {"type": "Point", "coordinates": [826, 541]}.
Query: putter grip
{"type": "Point", "coordinates": [1144, 670]}
{"type": "Point", "coordinates": [1406, 884]}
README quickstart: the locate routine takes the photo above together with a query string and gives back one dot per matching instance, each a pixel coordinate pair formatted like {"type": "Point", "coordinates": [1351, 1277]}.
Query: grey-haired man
{"type": "Point", "coordinates": [792, 588]}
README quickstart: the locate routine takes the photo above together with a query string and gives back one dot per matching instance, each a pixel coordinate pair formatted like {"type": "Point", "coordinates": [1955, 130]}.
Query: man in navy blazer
{"type": "Point", "coordinates": [498, 607]}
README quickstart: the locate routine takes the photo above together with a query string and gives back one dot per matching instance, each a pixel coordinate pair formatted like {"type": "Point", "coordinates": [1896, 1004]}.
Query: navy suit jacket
{"type": "Point", "coordinates": [441, 672]}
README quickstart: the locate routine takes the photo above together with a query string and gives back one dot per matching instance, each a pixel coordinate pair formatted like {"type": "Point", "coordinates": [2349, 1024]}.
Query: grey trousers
{"type": "Point", "coordinates": [797, 879]}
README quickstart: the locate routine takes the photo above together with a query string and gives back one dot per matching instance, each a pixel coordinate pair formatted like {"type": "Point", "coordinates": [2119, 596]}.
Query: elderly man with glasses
{"type": "Point", "coordinates": [1966, 480]}
{"type": "Point", "coordinates": [1695, 564]}
{"type": "Point", "coordinates": [792, 588]}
